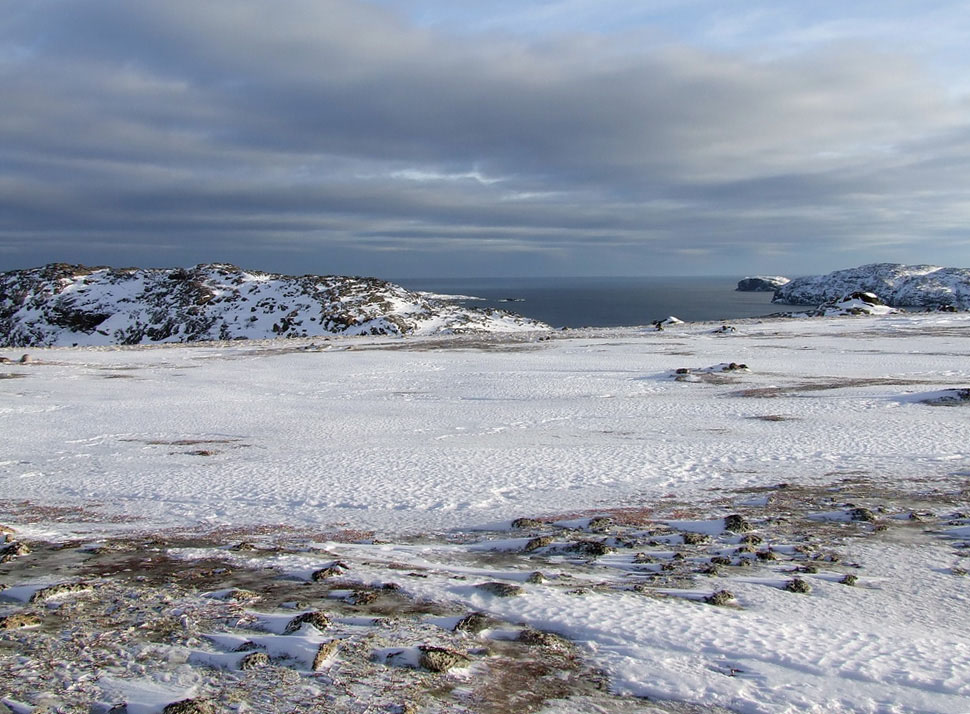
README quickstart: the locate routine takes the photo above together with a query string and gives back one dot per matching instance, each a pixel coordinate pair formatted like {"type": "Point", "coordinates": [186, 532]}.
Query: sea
{"type": "Point", "coordinates": [606, 302]}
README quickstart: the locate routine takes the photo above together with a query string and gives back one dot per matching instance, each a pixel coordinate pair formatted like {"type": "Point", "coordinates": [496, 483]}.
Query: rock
{"type": "Point", "coordinates": [724, 330]}
{"type": "Point", "coordinates": [12, 550]}
{"type": "Point", "coordinates": [25, 359]}
{"type": "Point", "coordinates": [898, 285]}
{"type": "Point", "coordinates": [316, 618]}
{"type": "Point", "coordinates": [849, 579]}
{"type": "Point", "coordinates": [539, 638]}
{"type": "Point", "coordinates": [254, 660]}
{"type": "Point", "coordinates": [720, 560]}
{"type": "Point", "coordinates": [474, 623]}
{"type": "Point", "coordinates": [330, 571]}
{"type": "Point", "coordinates": [761, 283]}
{"type": "Point", "coordinates": [536, 543]}
{"type": "Point", "coordinates": [719, 597]}
{"type": "Point", "coordinates": [600, 523]}
{"type": "Point", "coordinates": [244, 546]}
{"type": "Point", "coordinates": [362, 597]}
{"type": "Point", "coordinates": [325, 652]}
{"type": "Point", "coordinates": [440, 659]}
{"type": "Point", "coordinates": [61, 304]}
{"type": "Point", "coordinates": [190, 706]}
{"type": "Point", "coordinates": [797, 585]}
{"type": "Point", "coordinates": [862, 514]}
{"type": "Point", "coordinates": [752, 539]}
{"type": "Point", "coordinates": [695, 538]}
{"type": "Point", "coordinates": [736, 524]}
{"type": "Point", "coordinates": [590, 547]}
{"type": "Point", "coordinates": [766, 555]}
{"type": "Point", "coordinates": [60, 589]}
{"type": "Point", "coordinates": [19, 620]}
{"type": "Point", "coordinates": [526, 523]}
{"type": "Point", "coordinates": [500, 589]}
{"type": "Point", "coordinates": [536, 578]}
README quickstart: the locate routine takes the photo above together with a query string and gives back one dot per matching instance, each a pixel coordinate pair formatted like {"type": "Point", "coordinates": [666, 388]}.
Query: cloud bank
{"type": "Point", "coordinates": [339, 136]}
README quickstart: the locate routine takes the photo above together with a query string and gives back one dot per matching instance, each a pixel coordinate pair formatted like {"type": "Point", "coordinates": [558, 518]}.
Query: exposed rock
{"type": "Point", "coordinates": [526, 523]}
{"type": "Point", "coordinates": [600, 523]}
{"type": "Point", "coordinates": [316, 618]}
{"type": "Point", "coordinates": [500, 589]}
{"type": "Point", "coordinates": [898, 285]}
{"type": "Point", "coordinates": [797, 585]}
{"type": "Point", "coordinates": [254, 660]}
{"type": "Point", "coordinates": [12, 550]}
{"type": "Point", "coordinates": [862, 514]}
{"type": "Point", "coordinates": [695, 538]}
{"type": "Point", "coordinates": [593, 548]}
{"type": "Point", "coordinates": [62, 304]}
{"type": "Point", "coordinates": [537, 542]}
{"type": "Point", "coordinates": [724, 330]}
{"type": "Point", "coordinates": [736, 524]}
{"type": "Point", "coordinates": [474, 623]}
{"type": "Point", "coordinates": [539, 638]}
{"type": "Point", "coordinates": [325, 652]}
{"type": "Point", "coordinates": [536, 578]}
{"type": "Point", "coordinates": [190, 706]}
{"type": "Point", "coordinates": [719, 597]}
{"type": "Point", "coordinates": [329, 571]}
{"type": "Point", "coordinates": [19, 620]}
{"type": "Point", "coordinates": [440, 659]}
{"type": "Point", "coordinates": [60, 589]}
{"type": "Point", "coordinates": [761, 283]}
{"type": "Point", "coordinates": [849, 579]}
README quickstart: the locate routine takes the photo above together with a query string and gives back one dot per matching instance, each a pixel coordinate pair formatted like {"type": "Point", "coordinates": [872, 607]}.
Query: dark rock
{"type": "Point", "coordinates": [536, 543]}
{"type": "Point", "coordinates": [600, 523]}
{"type": "Point", "coordinates": [797, 585]}
{"type": "Point", "coordinates": [539, 638]}
{"type": "Point", "coordinates": [862, 514]}
{"type": "Point", "coordinates": [500, 589]}
{"type": "Point", "coordinates": [190, 706]}
{"type": "Point", "coordinates": [761, 283]}
{"type": "Point", "coordinates": [526, 523]}
{"type": "Point", "coordinates": [766, 555]}
{"type": "Point", "coordinates": [440, 659]}
{"type": "Point", "coordinates": [719, 597]}
{"type": "Point", "coordinates": [474, 623]}
{"type": "Point", "coordinates": [316, 618]}
{"type": "Point", "coordinates": [720, 560]}
{"type": "Point", "coordinates": [736, 524]}
{"type": "Point", "coordinates": [849, 579]}
{"type": "Point", "coordinates": [332, 570]}
{"type": "Point", "coordinates": [536, 578]}
{"type": "Point", "coordinates": [324, 652]}
{"type": "Point", "coordinates": [751, 539]}
{"type": "Point", "coordinates": [590, 547]}
{"type": "Point", "coordinates": [695, 538]}
{"type": "Point", "coordinates": [254, 660]}
{"type": "Point", "coordinates": [19, 620]}
{"type": "Point", "coordinates": [60, 589]}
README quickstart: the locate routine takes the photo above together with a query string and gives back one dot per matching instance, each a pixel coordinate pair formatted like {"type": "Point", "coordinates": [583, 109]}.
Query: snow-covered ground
{"type": "Point", "coordinates": [406, 436]}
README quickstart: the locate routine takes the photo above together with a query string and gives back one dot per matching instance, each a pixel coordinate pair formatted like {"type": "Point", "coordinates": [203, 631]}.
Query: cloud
{"type": "Point", "coordinates": [231, 130]}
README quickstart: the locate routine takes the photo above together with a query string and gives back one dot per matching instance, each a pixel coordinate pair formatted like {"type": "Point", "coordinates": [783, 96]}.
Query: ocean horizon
{"type": "Point", "coordinates": [606, 302]}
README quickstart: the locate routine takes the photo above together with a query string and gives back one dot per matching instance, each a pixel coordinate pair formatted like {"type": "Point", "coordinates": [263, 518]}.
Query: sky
{"type": "Point", "coordinates": [450, 138]}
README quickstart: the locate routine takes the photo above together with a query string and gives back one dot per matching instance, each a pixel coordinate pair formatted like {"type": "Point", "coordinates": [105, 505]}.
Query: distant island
{"type": "Point", "coordinates": [761, 283]}
{"type": "Point", "coordinates": [64, 305]}
{"type": "Point", "coordinates": [897, 285]}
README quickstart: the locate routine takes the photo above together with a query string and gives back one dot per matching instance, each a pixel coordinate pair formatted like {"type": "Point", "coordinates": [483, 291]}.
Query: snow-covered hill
{"type": "Point", "coordinates": [761, 283]}
{"type": "Point", "coordinates": [62, 304]}
{"type": "Point", "coordinates": [898, 285]}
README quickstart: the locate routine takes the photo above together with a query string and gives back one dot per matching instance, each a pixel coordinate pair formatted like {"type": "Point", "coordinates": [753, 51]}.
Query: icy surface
{"type": "Point", "coordinates": [420, 435]}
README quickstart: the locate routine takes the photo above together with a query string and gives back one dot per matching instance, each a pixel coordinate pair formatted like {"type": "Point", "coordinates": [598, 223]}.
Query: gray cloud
{"type": "Point", "coordinates": [333, 136]}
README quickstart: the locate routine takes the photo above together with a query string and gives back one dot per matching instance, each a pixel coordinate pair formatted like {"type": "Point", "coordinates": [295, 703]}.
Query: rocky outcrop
{"type": "Point", "coordinates": [64, 305]}
{"type": "Point", "coordinates": [761, 283]}
{"type": "Point", "coordinates": [897, 285]}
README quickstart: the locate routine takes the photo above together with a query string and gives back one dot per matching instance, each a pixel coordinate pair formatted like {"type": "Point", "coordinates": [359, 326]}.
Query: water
{"type": "Point", "coordinates": [606, 302]}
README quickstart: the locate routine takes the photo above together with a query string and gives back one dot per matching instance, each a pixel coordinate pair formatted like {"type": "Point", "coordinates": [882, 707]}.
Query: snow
{"type": "Point", "coordinates": [407, 436]}
{"type": "Point", "coordinates": [896, 284]}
